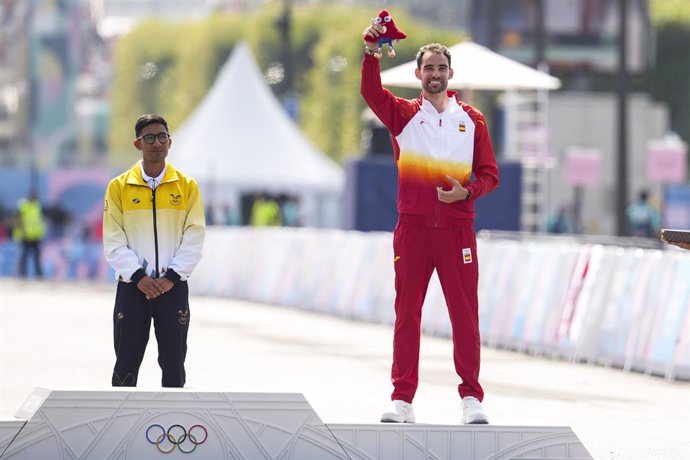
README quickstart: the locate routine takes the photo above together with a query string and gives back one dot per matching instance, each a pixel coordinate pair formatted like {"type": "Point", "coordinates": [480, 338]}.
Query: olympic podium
{"type": "Point", "coordinates": [121, 424]}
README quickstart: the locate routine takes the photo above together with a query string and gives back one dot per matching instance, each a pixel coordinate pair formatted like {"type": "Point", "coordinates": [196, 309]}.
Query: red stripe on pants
{"type": "Point", "coordinates": [419, 249]}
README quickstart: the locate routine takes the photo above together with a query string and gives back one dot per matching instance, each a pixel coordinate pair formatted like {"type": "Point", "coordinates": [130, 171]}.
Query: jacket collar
{"type": "Point", "coordinates": [450, 94]}
{"type": "Point", "coordinates": [135, 176]}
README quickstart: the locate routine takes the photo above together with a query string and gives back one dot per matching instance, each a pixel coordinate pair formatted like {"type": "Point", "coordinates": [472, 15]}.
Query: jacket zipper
{"type": "Point", "coordinates": [437, 209]}
{"type": "Point", "coordinates": [155, 230]}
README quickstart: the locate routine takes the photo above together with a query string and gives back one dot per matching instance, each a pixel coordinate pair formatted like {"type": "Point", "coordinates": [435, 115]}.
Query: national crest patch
{"type": "Point", "coordinates": [467, 255]}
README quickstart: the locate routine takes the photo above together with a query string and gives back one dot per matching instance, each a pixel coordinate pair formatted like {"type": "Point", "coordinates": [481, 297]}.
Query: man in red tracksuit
{"type": "Point", "coordinates": [445, 162]}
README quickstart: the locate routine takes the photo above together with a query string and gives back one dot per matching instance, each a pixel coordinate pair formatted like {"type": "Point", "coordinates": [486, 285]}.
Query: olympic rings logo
{"type": "Point", "coordinates": [176, 436]}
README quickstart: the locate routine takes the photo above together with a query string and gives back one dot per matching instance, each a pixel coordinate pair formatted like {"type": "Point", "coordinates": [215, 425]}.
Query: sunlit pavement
{"type": "Point", "coordinates": [60, 336]}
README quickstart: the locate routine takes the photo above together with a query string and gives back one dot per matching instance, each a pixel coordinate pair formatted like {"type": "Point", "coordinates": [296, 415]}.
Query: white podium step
{"type": "Point", "coordinates": [121, 424]}
{"type": "Point", "coordinates": [9, 428]}
{"type": "Point", "coordinates": [427, 442]}
{"type": "Point", "coordinates": [136, 425]}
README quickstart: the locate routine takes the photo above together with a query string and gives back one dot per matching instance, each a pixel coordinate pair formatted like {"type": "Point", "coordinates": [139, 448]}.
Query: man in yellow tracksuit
{"type": "Point", "coordinates": [153, 234]}
{"type": "Point", "coordinates": [29, 232]}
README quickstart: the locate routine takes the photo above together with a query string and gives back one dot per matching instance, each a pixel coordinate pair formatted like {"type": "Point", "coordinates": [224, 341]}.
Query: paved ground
{"type": "Point", "coordinates": [59, 336]}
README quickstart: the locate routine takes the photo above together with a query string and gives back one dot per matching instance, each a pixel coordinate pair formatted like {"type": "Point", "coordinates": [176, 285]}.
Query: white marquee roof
{"type": "Point", "coordinates": [240, 138]}
{"type": "Point", "coordinates": [477, 67]}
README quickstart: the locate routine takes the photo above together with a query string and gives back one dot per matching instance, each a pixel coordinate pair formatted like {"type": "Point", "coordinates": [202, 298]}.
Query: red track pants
{"type": "Point", "coordinates": [451, 248]}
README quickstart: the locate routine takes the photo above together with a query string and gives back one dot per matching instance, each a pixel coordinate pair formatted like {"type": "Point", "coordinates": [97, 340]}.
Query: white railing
{"type": "Point", "coordinates": [577, 298]}
{"type": "Point", "coordinates": [621, 306]}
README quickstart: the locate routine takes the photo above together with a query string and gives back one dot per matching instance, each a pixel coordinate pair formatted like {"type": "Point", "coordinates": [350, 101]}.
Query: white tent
{"type": "Point", "coordinates": [477, 67]}
{"type": "Point", "coordinates": [240, 140]}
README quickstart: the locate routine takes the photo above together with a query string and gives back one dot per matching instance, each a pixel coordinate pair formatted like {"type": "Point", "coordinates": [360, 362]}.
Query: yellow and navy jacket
{"type": "Point", "coordinates": [153, 232]}
{"type": "Point", "coordinates": [429, 145]}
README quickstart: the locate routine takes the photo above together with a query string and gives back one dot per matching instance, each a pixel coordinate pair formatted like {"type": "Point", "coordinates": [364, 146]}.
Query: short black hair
{"type": "Point", "coordinates": [435, 48]}
{"type": "Point", "coordinates": [148, 119]}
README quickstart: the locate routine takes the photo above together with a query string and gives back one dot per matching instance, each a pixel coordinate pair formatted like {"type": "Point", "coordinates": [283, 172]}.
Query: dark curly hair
{"type": "Point", "coordinates": [435, 48]}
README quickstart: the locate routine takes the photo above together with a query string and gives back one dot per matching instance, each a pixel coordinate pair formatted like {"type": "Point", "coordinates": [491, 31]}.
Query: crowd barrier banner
{"type": "Point", "coordinates": [620, 306]}
{"type": "Point", "coordinates": [69, 258]}
{"type": "Point", "coordinates": [623, 307]}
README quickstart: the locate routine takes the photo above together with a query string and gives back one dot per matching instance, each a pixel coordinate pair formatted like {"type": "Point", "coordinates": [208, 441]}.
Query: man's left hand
{"type": "Point", "coordinates": [456, 193]}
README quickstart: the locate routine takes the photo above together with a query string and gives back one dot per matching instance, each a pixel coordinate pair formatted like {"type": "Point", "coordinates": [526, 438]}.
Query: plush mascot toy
{"type": "Point", "coordinates": [390, 33]}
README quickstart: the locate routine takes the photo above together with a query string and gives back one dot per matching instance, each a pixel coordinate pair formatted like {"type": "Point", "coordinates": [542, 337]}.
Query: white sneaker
{"type": "Point", "coordinates": [472, 411]}
{"type": "Point", "coordinates": [401, 412]}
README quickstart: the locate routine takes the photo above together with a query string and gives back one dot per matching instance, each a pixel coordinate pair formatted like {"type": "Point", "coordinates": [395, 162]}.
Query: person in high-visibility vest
{"type": "Point", "coordinates": [265, 212]}
{"type": "Point", "coordinates": [29, 232]}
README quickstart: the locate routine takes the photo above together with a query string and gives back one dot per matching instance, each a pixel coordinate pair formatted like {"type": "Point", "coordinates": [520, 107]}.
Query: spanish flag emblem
{"type": "Point", "coordinates": [461, 127]}
{"type": "Point", "coordinates": [467, 255]}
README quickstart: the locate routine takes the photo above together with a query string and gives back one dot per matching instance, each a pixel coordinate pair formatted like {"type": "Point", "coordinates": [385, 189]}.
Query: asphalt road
{"type": "Point", "coordinates": [60, 336]}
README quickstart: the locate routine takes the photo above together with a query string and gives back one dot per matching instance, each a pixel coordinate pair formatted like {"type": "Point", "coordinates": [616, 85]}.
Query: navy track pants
{"type": "Point", "coordinates": [132, 324]}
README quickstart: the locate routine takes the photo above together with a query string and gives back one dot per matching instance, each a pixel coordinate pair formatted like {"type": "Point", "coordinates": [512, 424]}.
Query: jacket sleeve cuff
{"type": "Point", "coordinates": [138, 275]}
{"type": "Point", "coordinates": [172, 275]}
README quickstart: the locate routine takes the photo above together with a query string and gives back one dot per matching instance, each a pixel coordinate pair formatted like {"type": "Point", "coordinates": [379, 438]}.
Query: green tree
{"type": "Point", "coordinates": [669, 76]}
{"type": "Point", "coordinates": [206, 46]}
{"type": "Point", "coordinates": [333, 107]}
{"type": "Point", "coordinates": [143, 74]}
{"type": "Point", "coordinates": [168, 68]}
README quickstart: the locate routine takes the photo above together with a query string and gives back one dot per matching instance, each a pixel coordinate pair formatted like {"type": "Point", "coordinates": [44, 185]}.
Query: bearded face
{"type": "Point", "coordinates": [434, 73]}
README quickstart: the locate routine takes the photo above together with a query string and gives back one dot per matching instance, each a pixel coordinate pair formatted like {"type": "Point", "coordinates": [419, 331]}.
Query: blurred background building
{"type": "Point", "coordinates": [57, 75]}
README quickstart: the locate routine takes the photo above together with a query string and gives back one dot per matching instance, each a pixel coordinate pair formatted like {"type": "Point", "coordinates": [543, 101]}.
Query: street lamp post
{"type": "Point", "coordinates": [622, 99]}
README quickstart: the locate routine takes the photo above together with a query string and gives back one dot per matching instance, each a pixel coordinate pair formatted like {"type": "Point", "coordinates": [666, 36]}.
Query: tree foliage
{"type": "Point", "coordinates": [167, 68]}
{"type": "Point", "coordinates": [669, 77]}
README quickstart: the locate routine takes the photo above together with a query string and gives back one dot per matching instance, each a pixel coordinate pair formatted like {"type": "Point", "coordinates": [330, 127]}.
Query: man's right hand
{"type": "Point", "coordinates": [150, 287]}
{"type": "Point", "coordinates": [373, 31]}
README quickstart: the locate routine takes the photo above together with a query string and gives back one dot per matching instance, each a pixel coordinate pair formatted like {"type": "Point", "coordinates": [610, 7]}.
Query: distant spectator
{"type": "Point", "coordinates": [560, 222]}
{"type": "Point", "coordinates": [643, 218]}
{"type": "Point", "coordinates": [210, 218]}
{"type": "Point", "coordinates": [97, 230]}
{"type": "Point", "coordinates": [231, 215]}
{"type": "Point", "coordinates": [4, 224]}
{"type": "Point", "coordinates": [265, 212]}
{"type": "Point", "coordinates": [59, 219]}
{"type": "Point", "coordinates": [3, 231]}
{"type": "Point", "coordinates": [290, 212]}
{"type": "Point", "coordinates": [29, 232]}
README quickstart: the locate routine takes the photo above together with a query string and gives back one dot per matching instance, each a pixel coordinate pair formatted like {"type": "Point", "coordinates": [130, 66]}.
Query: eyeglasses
{"type": "Point", "coordinates": [151, 138]}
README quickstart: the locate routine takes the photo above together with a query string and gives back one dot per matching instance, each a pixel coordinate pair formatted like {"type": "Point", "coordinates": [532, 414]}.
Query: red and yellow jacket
{"type": "Point", "coordinates": [429, 145]}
